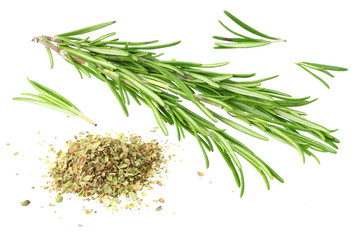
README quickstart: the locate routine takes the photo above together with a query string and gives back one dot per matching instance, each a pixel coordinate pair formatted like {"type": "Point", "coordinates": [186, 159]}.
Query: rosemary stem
{"type": "Point", "coordinates": [278, 40]}
{"type": "Point", "coordinates": [58, 50]}
{"type": "Point", "coordinates": [48, 45]}
{"type": "Point", "coordinates": [82, 116]}
{"type": "Point", "coordinates": [53, 39]}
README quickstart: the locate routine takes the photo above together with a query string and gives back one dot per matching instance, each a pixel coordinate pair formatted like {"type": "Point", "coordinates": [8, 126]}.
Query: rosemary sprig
{"type": "Point", "coordinates": [321, 68]}
{"type": "Point", "coordinates": [243, 41]}
{"type": "Point", "coordinates": [51, 99]}
{"type": "Point", "coordinates": [130, 69]}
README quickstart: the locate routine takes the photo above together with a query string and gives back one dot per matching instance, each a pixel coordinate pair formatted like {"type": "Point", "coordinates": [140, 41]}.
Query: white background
{"type": "Point", "coordinates": [315, 202]}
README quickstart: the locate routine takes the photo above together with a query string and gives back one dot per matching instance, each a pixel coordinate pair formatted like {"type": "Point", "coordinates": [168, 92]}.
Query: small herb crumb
{"type": "Point", "coordinates": [51, 205]}
{"type": "Point", "coordinates": [88, 211]}
{"type": "Point", "coordinates": [25, 203]}
{"type": "Point", "coordinates": [143, 194]}
{"type": "Point", "coordinates": [16, 153]}
{"type": "Point", "coordinates": [154, 129]}
{"type": "Point", "coordinates": [59, 198]}
{"type": "Point", "coordinates": [8, 144]}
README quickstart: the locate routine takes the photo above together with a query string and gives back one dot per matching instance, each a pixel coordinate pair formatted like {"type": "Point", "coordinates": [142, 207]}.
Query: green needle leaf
{"type": "Point", "coordinates": [242, 44]}
{"type": "Point", "coordinates": [229, 163]}
{"type": "Point", "coordinates": [155, 46]}
{"type": "Point", "coordinates": [233, 32]}
{"type": "Point", "coordinates": [86, 29]}
{"type": "Point", "coordinates": [50, 57]}
{"type": "Point", "coordinates": [247, 27]}
{"type": "Point", "coordinates": [157, 116]}
{"type": "Point", "coordinates": [316, 76]}
{"type": "Point", "coordinates": [202, 149]}
{"type": "Point", "coordinates": [323, 66]}
{"type": "Point", "coordinates": [47, 91]}
{"type": "Point", "coordinates": [46, 104]}
{"type": "Point", "coordinates": [53, 100]}
{"type": "Point", "coordinates": [320, 67]}
{"type": "Point", "coordinates": [245, 92]}
{"type": "Point", "coordinates": [289, 140]}
{"type": "Point", "coordinates": [240, 127]}
{"type": "Point", "coordinates": [108, 51]}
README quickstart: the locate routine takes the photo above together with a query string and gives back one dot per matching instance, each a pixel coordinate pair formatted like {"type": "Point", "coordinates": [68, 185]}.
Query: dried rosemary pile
{"type": "Point", "coordinates": [106, 168]}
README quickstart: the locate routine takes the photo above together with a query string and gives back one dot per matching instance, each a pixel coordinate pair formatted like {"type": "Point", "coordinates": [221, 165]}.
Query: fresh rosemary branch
{"type": "Point", "coordinates": [130, 70]}
{"type": "Point", "coordinates": [321, 68]}
{"type": "Point", "coordinates": [243, 41]}
{"type": "Point", "coordinates": [51, 99]}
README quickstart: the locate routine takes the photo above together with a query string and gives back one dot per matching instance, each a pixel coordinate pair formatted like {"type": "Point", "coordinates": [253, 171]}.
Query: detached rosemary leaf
{"type": "Point", "coordinates": [321, 68]}
{"type": "Point", "coordinates": [243, 41]}
{"type": "Point", "coordinates": [53, 100]}
{"type": "Point", "coordinates": [48, 91]}
{"type": "Point", "coordinates": [316, 76]}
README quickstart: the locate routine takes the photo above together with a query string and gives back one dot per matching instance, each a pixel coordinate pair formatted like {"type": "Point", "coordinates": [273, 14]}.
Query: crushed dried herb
{"type": "Point", "coordinates": [59, 198]}
{"type": "Point", "coordinates": [105, 167]}
{"type": "Point", "coordinates": [25, 203]}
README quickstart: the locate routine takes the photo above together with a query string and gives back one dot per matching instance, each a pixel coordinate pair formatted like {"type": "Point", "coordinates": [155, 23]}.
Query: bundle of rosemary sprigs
{"type": "Point", "coordinates": [131, 69]}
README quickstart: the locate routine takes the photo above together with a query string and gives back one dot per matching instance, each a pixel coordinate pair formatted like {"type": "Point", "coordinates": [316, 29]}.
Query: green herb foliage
{"type": "Point", "coordinates": [243, 41]}
{"type": "Point", "coordinates": [131, 71]}
{"type": "Point", "coordinates": [51, 99]}
{"type": "Point", "coordinates": [321, 68]}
